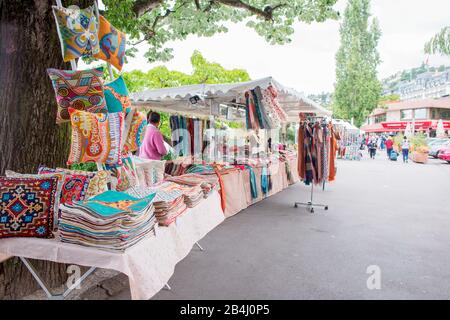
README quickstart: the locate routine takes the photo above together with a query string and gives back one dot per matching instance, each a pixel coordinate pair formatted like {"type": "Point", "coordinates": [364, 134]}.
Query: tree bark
{"type": "Point", "coordinates": [29, 45]}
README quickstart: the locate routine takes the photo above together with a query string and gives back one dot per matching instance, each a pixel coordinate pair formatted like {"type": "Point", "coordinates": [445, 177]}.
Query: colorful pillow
{"type": "Point", "coordinates": [27, 207]}
{"type": "Point", "coordinates": [98, 180]}
{"type": "Point", "coordinates": [81, 90]}
{"type": "Point", "coordinates": [96, 137]}
{"type": "Point", "coordinates": [116, 96]}
{"type": "Point", "coordinates": [74, 187]}
{"type": "Point", "coordinates": [112, 44]}
{"type": "Point", "coordinates": [77, 31]}
{"type": "Point", "coordinates": [58, 175]}
{"type": "Point", "coordinates": [136, 133]}
{"type": "Point", "coordinates": [151, 170]}
{"type": "Point", "coordinates": [123, 177]}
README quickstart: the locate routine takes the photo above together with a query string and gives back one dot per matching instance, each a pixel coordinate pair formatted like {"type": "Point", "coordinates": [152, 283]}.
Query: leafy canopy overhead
{"type": "Point", "coordinates": [161, 21]}
{"type": "Point", "coordinates": [203, 72]}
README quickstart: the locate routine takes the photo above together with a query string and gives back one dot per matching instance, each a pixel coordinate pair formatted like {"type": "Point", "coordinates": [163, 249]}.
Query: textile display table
{"type": "Point", "coordinates": [148, 265]}
{"type": "Point", "coordinates": [237, 185]}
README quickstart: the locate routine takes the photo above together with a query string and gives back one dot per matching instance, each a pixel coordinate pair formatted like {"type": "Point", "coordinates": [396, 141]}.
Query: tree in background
{"type": "Point", "coordinates": [357, 88]}
{"type": "Point", "coordinates": [440, 43]}
{"type": "Point", "coordinates": [203, 71]}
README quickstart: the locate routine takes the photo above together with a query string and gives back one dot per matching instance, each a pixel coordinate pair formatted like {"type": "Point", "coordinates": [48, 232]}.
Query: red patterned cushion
{"type": "Point", "coordinates": [27, 207]}
{"type": "Point", "coordinates": [74, 187]}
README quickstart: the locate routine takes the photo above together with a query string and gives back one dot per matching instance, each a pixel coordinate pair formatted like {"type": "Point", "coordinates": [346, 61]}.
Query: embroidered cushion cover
{"type": "Point", "coordinates": [74, 187]}
{"type": "Point", "coordinates": [96, 137]}
{"type": "Point", "coordinates": [136, 133]}
{"type": "Point", "coordinates": [77, 31]}
{"type": "Point", "coordinates": [81, 90]}
{"type": "Point", "coordinates": [27, 207]}
{"type": "Point", "coordinates": [152, 170]}
{"type": "Point", "coordinates": [58, 175]}
{"type": "Point", "coordinates": [98, 180]}
{"type": "Point", "coordinates": [116, 96]}
{"type": "Point", "coordinates": [125, 176]}
{"type": "Point", "coordinates": [112, 44]}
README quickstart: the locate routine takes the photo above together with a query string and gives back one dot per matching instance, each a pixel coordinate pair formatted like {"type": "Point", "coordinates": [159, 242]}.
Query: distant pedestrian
{"type": "Point", "coordinates": [389, 147]}
{"type": "Point", "coordinates": [405, 149]}
{"type": "Point", "coordinates": [383, 142]}
{"type": "Point", "coordinates": [372, 148]}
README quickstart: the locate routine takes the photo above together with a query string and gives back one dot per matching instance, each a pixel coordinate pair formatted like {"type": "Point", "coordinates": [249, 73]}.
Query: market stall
{"type": "Point", "coordinates": [133, 215]}
{"type": "Point", "coordinates": [218, 101]}
{"type": "Point", "coordinates": [350, 140]}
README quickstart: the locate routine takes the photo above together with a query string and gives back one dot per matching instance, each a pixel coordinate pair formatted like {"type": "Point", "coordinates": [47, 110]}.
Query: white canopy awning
{"type": "Point", "coordinates": [347, 125]}
{"type": "Point", "coordinates": [176, 100]}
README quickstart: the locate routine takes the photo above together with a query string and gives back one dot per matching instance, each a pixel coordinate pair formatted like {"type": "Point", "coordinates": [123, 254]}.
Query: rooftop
{"type": "Point", "coordinates": [443, 103]}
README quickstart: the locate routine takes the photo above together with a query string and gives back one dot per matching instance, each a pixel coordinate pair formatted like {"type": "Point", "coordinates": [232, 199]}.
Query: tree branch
{"type": "Point", "coordinates": [266, 13]}
{"type": "Point", "coordinates": [141, 7]}
{"type": "Point", "coordinates": [151, 31]}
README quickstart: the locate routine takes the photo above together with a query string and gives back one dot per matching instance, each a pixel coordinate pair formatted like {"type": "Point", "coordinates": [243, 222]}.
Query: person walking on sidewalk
{"type": "Point", "coordinates": [405, 149]}
{"type": "Point", "coordinates": [389, 147]}
{"type": "Point", "coordinates": [372, 148]}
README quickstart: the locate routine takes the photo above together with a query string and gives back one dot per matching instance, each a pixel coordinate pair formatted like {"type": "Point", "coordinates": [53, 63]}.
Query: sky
{"type": "Point", "coordinates": [308, 63]}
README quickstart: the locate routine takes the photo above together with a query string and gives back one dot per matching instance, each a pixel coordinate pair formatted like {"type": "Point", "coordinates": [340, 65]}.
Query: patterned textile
{"type": "Point", "coordinates": [136, 133]}
{"type": "Point", "coordinates": [96, 137]}
{"type": "Point", "coordinates": [270, 99]}
{"type": "Point", "coordinates": [310, 169]}
{"type": "Point", "coordinates": [74, 187]}
{"type": "Point", "coordinates": [169, 200]}
{"type": "Point", "coordinates": [27, 207]}
{"type": "Point", "coordinates": [149, 172]}
{"type": "Point", "coordinates": [253, 188]}
{"type": "Point", "coordinates": [116, 96]}
{"type": "Point", "coordinates": [77, 31]}
{"type": "Point", "coordinates": [97, 181]}
{"type": "Point", "coordinates": [263, 110]}
{"type": "Point", "coordinates": [325, 154]}
{"type": "Point", "coordinates": [112, 44]}
{"type": "Point", "coordinates": [58, 175]}
{"type": "Point", "coordinates": [81, 90]}
{"type": "Point", "coordinates": [111, 221]}
{"type": "Point", "coordinates": [123, 176]}
{"type": "Point", "coordinates": [207, 182]}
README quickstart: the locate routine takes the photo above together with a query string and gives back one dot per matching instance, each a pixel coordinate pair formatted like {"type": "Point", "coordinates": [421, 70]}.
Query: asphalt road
{"type": "Point", "coordinates": [386, 214]}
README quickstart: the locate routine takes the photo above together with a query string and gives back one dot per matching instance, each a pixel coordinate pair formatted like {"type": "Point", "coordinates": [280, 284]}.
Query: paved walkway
{"type": "Point", "coordinates": [389, 214]}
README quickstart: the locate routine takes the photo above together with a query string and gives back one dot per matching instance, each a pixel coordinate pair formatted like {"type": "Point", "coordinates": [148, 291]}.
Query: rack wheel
{"type": "Point", "coordinates": [312, 210]}
{"type": "Point", "coordinates": [326, 207]}
{"type": "Point", "coordinates": [295, 206]}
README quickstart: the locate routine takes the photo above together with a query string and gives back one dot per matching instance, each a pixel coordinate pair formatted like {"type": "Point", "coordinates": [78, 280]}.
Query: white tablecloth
{"type": "Point", "coordinates": [148, 265]}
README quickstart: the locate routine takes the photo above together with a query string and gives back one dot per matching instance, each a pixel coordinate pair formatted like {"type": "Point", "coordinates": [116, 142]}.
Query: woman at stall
{"type": "Point", "coordinates": [153, 147]}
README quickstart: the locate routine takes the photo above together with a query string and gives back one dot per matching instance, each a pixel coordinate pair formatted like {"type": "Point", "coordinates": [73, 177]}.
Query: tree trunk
{"type": "Point", "coordinates": [29, 45]}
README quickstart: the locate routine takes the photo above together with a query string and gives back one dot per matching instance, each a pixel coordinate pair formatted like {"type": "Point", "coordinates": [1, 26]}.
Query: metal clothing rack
{"type": "Point", "coordinates": [310, 204]}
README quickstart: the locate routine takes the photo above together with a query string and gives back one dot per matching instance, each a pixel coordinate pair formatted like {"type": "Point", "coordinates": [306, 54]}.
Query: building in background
{"type": "Point", "coordinates": [423, 113]}
{"type": "Point", "coordinates": [424, 85]}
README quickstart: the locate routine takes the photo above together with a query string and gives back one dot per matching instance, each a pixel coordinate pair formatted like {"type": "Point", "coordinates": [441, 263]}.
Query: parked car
{"type": "Point", "coordinates": [444, 154]}
{"type": "Point", "coordinates": [436, 147]}
{"type": "Point", "coordinates": [432, 141]}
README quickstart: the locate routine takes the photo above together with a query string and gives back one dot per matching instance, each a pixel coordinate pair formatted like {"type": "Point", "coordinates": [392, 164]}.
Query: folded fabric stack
{"type": "Point", "coordinates": [178, 166]}
{"type": "Point", "coordinates": [169, 201]}
{"type": "Point", "coordinates": [112, 220]}
{"type": "Point", "coordinates": [207, 182]}
{"type": "Point", "coordinates": [192, 195]}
